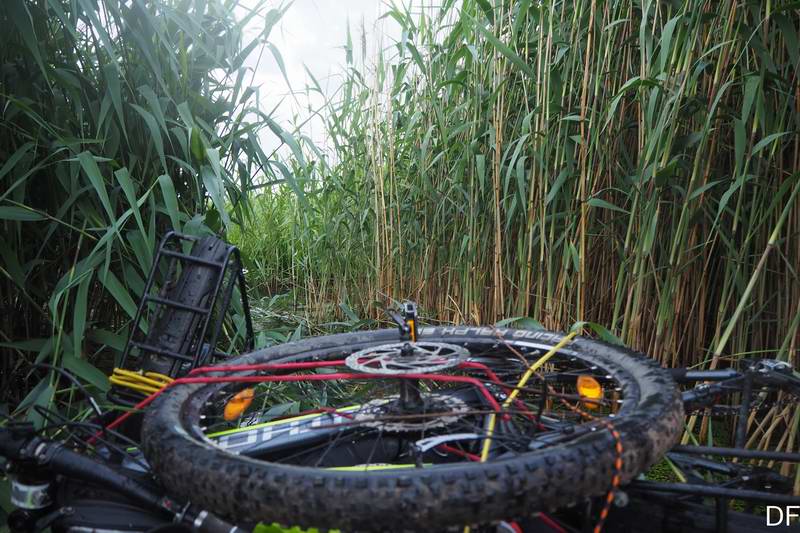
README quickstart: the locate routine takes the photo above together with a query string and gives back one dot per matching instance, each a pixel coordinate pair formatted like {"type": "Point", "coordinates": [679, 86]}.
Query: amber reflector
{"type": "Point", "coordinates": [238, 404]}
{"type": "Point", "coordinates": [589, 389]}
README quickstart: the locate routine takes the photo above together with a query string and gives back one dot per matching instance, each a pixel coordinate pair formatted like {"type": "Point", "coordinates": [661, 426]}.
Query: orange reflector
{"type": "Point", "coordinates": [589, 389]}
{"type": "Point", "coordinates": [238, 404]}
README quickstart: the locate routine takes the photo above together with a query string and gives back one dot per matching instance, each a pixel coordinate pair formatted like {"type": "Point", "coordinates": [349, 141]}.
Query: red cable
{"type": "Point", "coordinates": [127, 414]}
{"type": "Point", "coordinates": [493, 377]}
{"type": "Point", "coordinates": [451, 449]}
{"type": "Point", "coordinates": [291, 378]}
{"type": "Point", "coordinates": [344, 375]}
{"type": "Point", "coordinates": [190, 379]}
{"type": "Point", "coordinates": [205, 369]}
{"type": "Point", "coordinates": [265, 366]}
{"type": "Point", "coordinates": [315, 377]}
{"type": "Point", "coordinates": [322, 364]}
{"type": "Point", "coordinates": [552, 524]}
{"type": "Point", "coordinates": [515, 527]}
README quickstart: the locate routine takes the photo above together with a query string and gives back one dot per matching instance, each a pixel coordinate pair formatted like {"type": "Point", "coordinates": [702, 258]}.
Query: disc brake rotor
{"type": "Point", "coordinates": [386, 414]}
{"type": "Point", "coordinates": [407, 358]}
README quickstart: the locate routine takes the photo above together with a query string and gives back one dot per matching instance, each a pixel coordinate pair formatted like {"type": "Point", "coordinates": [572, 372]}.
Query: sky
{"type": "Point", "coordinates": [312, 33]}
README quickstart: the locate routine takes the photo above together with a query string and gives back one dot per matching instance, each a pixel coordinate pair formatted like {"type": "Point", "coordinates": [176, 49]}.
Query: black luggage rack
{"type": "Point", "coordinates": [219, 265]}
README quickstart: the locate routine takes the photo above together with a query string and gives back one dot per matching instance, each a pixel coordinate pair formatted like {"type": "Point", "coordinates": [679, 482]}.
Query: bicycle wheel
{"type": "Point", "coordinates": [370, 450]}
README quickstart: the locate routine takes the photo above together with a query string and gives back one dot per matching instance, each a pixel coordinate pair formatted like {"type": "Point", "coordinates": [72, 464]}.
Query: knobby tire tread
{"type": "Point", "coordinates": [245, 489]}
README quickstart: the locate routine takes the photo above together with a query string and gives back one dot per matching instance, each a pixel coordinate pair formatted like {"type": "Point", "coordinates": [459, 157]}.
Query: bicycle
{"type": "Point", "coordinates": [411, 428]}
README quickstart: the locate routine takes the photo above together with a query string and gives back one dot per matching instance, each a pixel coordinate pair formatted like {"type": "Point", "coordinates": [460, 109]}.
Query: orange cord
{"type": "Point", "coordinates": [616, 478]}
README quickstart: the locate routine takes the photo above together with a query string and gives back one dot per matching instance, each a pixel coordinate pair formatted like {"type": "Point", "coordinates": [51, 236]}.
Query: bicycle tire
{"type": "Point", "coordinates": [411, 499]}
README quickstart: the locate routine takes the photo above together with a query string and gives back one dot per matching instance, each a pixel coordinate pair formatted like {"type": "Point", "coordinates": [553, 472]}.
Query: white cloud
{"type": "Point", "coordinates": [312, 33]}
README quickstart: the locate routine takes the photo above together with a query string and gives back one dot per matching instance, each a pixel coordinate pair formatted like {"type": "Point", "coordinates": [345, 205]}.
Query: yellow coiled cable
{"type": "Point", "coordinates": [145, 382]}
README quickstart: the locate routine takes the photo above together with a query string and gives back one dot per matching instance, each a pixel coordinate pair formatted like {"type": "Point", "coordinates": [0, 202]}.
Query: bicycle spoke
{"type": "Point", "coordinates": [368, 420]}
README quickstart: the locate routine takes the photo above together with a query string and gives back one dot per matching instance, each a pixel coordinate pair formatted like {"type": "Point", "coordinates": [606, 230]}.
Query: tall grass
{"type": "Point", "coordinates": [630, 164]}
{"type": "Point", "coordinates": [119, 121]}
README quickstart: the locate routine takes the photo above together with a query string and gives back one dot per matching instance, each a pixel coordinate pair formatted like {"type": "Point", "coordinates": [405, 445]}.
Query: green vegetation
{"type": "Point", "coordinates": [120, 121]}
{"type": "Point", "coordinates": [275, 528]}
{"type": "Point", "coordinates": [630, 164]}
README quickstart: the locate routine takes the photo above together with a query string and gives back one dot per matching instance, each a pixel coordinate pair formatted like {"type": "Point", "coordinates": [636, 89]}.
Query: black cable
{"type": "Point", "coordinates": [542, 400]}
{"type": "Point", "coordinates": [713, 491]}
{"type": "Point", "coordinates": [56, 420]}
{"type": "Point", "coordinates": [75, 381]}
{"type": "Point", "coordinates": [92, 430]}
